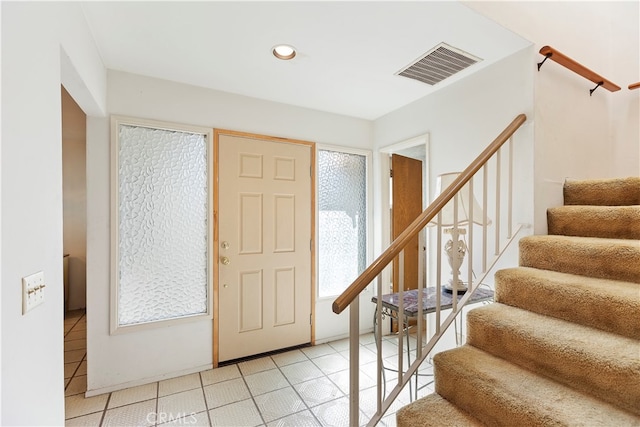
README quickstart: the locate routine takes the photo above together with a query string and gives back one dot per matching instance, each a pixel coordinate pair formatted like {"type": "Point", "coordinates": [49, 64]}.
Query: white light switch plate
{"type": "Point", "coordinates": [32, 291]}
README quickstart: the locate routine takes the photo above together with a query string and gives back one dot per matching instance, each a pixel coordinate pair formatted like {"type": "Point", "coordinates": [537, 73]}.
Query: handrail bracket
{"type": "Point", "coordinates": [547, 56]}
{"type": "Point", "coordinates": [594, 89]}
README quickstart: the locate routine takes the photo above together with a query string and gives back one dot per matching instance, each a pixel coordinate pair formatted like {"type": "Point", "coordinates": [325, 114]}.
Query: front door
{"type": "Point", "coordinates": [264, 243]}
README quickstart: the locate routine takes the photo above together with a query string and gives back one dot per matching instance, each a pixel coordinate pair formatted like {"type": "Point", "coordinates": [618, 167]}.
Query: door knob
{"type": "Point", "coordinates": [225, 260]}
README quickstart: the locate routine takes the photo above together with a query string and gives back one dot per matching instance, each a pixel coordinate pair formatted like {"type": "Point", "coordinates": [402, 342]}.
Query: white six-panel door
{"type": "Point", "coordinates": [264, 245]}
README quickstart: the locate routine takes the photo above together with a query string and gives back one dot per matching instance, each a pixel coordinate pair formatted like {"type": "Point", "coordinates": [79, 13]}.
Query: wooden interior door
{"type": "Point", "coordinates": [264, 246]}
{"type": "Point", "coordinates": [406, 206]}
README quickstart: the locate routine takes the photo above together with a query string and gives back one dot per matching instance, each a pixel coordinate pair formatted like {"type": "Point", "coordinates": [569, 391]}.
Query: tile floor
{"type": "Point", "coordinates": [302, 387]}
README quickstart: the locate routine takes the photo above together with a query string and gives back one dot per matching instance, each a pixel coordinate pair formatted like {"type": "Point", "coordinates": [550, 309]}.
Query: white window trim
{"type": "Point", "coordinates": [116, 122]}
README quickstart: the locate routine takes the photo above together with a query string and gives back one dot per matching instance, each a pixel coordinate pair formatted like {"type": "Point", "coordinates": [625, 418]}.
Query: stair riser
{"type": "Point", "coordinates": [595, 221]}
{"type": "Point", "coordinates": [610, 306]}
{"type": "Point", "coordinates": [605, 261]}
{"type": "Point", "coordinates": [499, 393]}
{"type": "Point", "coordinates": [473, 395]}
{"type": "Point", "coordinates": [569, 362]}
{"type": "Point", "coordinates": [614, 192]}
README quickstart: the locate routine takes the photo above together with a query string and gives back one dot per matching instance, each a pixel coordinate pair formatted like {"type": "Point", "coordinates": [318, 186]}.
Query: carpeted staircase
{"type": "Point", "coordinates": [561, 345]}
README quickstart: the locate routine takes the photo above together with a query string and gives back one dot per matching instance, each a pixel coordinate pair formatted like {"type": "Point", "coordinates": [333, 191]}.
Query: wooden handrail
{"type": "Point", "coordinates": [423, 219]}
{"type": "Point", "coordinates": [577, 68]}
{"type": "Point", "coordinates": [634, 86]}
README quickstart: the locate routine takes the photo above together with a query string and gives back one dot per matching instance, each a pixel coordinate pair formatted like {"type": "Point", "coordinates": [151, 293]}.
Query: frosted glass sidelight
{"type": "Point", "coordinates": [342, 229]}
{"type": "Point", "coordinates": [162, 224]}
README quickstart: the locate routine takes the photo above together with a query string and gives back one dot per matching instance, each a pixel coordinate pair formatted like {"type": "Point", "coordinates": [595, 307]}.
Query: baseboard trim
{"type": "Point", "coordinates": [143, 381]}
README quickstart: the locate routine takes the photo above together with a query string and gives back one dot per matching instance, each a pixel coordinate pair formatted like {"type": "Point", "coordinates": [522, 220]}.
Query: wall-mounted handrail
{"type": "Point", "coordinates": [577, 68]}
{"type": "Point", "coordinates": [367, 276]}
{"type": "Point", "coordinates": [633, 86]}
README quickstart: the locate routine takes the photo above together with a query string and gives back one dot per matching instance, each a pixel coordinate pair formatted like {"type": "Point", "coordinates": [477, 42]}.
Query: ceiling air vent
{"type": "Point", "coordinates": [441, 62]}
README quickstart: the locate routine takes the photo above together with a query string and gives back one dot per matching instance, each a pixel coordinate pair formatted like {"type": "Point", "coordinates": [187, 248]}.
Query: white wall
{"type": "Point", "coordinates": [34, 36]}
{"type": "Point", "coordinates": [137, 357]}
{"type": "Point", "coordinates": [576, 135]}
{"type": "Point", "coordinates": [462, 119]}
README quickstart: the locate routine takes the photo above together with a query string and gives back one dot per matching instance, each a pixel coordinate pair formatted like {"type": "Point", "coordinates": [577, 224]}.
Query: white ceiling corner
{"type": "Point", "coordinates": [348, 52]}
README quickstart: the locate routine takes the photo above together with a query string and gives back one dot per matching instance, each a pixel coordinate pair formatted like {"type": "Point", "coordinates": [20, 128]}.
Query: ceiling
{"type": "Point", "coordinates": [348, 53]}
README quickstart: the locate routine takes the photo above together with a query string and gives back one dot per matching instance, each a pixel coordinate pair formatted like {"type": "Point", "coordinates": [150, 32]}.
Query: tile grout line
{"type": "Point", "coordinates": [251, 394]}
{"type": "Point", "coordinates": [204, 395]}
{"type": "Point", "coordinates": [104, 411]}
{"type": "Point", "coordinates": [158, 401]}
{"type": "Point", "coordinates": [294, 390]}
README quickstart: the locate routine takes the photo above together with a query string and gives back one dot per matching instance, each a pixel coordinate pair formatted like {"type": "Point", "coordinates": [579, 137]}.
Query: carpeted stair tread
{"type": "Point", "coordinates": [603, 192]}
{"type": "Point", "coordinates": [609, 305]}
{"type": "Point", "coordinates": [561, 345]}
{"type": "Point", "coordinates": [585, 359]}
{"type": "Point", "coordinates": [614, 222]}
{"type": "Point", "coordinates": [430, 411]}
{"type": "Point", "coordinates": [499, 393]}
{"type": "Point", "coordinates": [617, 259]}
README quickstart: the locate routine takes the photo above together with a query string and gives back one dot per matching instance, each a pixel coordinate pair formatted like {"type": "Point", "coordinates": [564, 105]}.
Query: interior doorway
{"type": "Point", "coordinates": [406, 205]}
{"type": "Point", "coordinates": [414, 157]}
{"type": "Point", "coordinates": [74, 256]}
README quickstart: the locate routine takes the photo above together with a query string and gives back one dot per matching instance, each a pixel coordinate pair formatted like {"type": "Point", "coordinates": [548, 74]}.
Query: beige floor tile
{"type": "Point", "coordinates": [388, 421]}
{"type": "Point", "coordinates": [335, 413]}
{"type": "Point", "coordinates": [200, 419]}
{"type": "Point", "coordinates": [80, 344]}
{"type": "Point", "coordinates": [176, 385]}
{"type": "Point", "coordinates": [369, 406]}
{"type": "Point", "coordinates": [301, 372]}
{"type": "Point", "coordinates": [70, 322]}
{"type": "Point", "coordinates": [74, 356]}
{"type": "Point", "coordinates": [257, 365]}
{"type": "Point", "coordinates": [318, 391]}
{"type": "Point", "coordinates": [289, 358]}
{"type": "Point", "coordinates": [78, 405]}
{"type": "Point", "coordinates": [70, 369]}
{"type": "Point", "coordinates": [223, 393]}
{"type": "Point", "coordinates": [243, 413]}
{"type": "Point", "coordinates": [331, 363]}
{"type": "Point", "coordinates": [279, 404]}
{"type": "Point", "coordinates": [76, 335]}
{"type": "Point", "coordinates": [340, 345]}
{"type": "Point", "coordinates": [301, 419]}
{"type": "Point", "coordinates": [80, 326]}
{"type": "Point", "coordinates": [184, 402]}
{"type": "Point", "coordinates": [82, 369]}
{"type": "Point", "coordinates": [77, 385]}
{"type": "Point", "coordinates": [133, 395]}
{"type": "Point", "coordinates": [91, 420]}
{"type": "Point", "coordinates": [318, 350]}
{"type": "Point", "coordinates": [341, 379]}
{"type": "Point", "coordinates": [138, 414]}
{"type": "Point", "coordinates": [365, 355]}
{"type": "Point", "coordinates": [218, 375]}
{"type": "Point", "coordinates": [265, 381]}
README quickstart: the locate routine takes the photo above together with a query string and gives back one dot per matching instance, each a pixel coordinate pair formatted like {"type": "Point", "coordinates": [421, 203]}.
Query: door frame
{"type": "Point", "coordinates": [216, 235]}
{"type": "Point", "coordinates": [402, 148]}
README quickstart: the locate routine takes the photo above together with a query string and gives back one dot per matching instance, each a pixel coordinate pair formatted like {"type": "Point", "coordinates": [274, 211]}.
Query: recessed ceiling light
{"type": "Point", "coordinates": [284, 51]}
